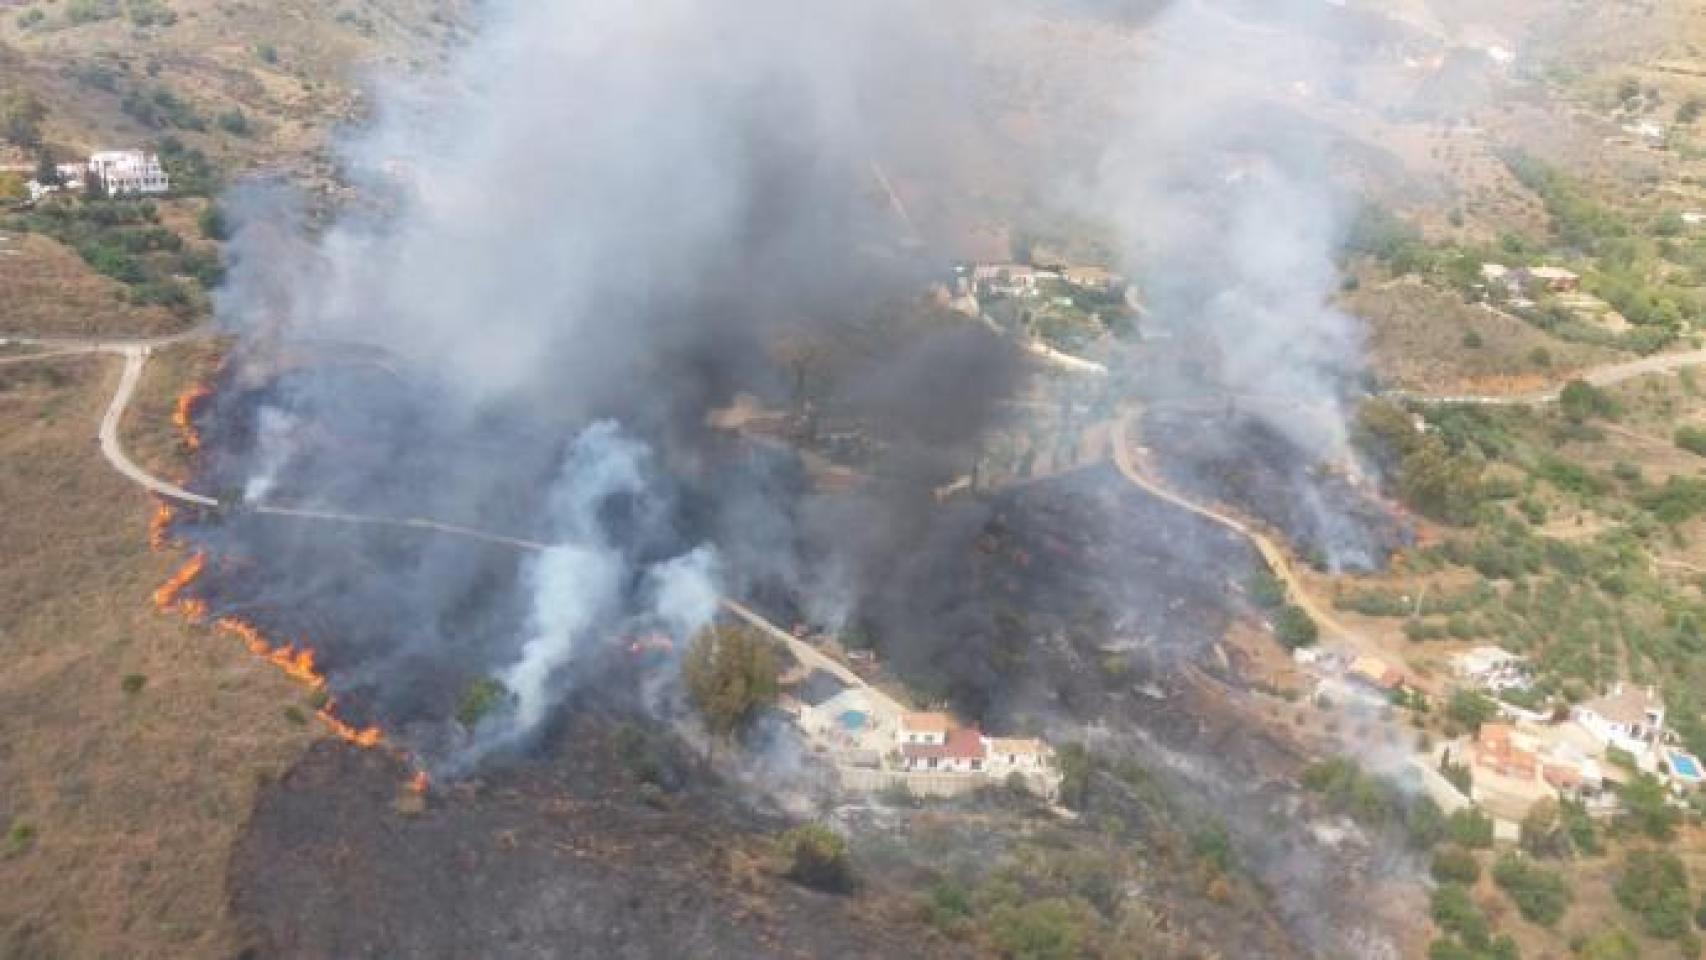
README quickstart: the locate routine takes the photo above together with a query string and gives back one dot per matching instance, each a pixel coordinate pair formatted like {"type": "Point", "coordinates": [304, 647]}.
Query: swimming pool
{"type": "Point", "coordinates": [1685, 766]}
{"type": "Point", "coordinates": [852, 720]}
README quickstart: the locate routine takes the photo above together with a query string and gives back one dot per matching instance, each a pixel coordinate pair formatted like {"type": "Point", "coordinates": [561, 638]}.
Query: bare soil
{"type": "Point", "coordinates": [120, 798]}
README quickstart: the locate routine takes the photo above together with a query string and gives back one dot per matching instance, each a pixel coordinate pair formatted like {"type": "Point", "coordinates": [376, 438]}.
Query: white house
{"type": "Point", "coordinates": [1629, 718]}
{"type": "Point", "coordinates": [1008, 755]}
{"type": "Point", "coordinates": [924, 729]}
{"type": "Point", "coordinates": [960, 751]}
{"type": "Point", "coordinates": [129, 171]}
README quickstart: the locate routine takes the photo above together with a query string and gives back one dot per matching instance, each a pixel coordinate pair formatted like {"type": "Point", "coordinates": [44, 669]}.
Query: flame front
{"type": "Point", "coordinates": [168, 595]}
{"type": "Point", "coordinates": [160, 527]}
{"type": "Point", "coordinates": [183, 415]}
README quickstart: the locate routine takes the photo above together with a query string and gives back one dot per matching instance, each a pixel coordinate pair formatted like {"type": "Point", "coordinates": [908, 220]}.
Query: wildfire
{"type": "Point", "coordinates": [361, 737]}
{"type": "Point", "coordinates": [297, 663]}
{"type": "Point", "coordinates": [183, 414]}
{"type": "Point", "coordinates": [159, 527]}
{"type": "Point", "coordinates": [420, 782]}
{"type": "Point", "coordinates": [167, 595]}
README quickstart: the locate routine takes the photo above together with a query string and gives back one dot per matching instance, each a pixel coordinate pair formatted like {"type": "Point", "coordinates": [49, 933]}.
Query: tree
{"type": "Point", "coordinates": [1613, 944]}
{"type": "Point", "coordinates": [1470, 828]}
{"type": "Point", "coordinates": [1542, 831]}
{"type": "Point", "coordinates": [1454, 911]}
{"type": "Point", "coordinates": [1453, 863]}
{"type": "Point", "coordinates": [1646, 807]}
{"type": "Point", "coordinates": [1294, 627]}
{"type": "Point", "coordinates": [12, 188]}
{"type": "Point", "coordinates": [730, 672]}
{"type": "Point", "coordinates": [21, 116]}
{"type": "Point", "coordinates": [1581, 400]}
{"type": "Point", "coordinates": [1052, 929]}
{"type": "Point", "coordinates": [817, 857]}
{"type": "Point", "coordinates": [1539, 894]}
{"type": "Point", "coordinates": [1654, 886]}
{"type": "Point", "coordinates": [1470, 708]}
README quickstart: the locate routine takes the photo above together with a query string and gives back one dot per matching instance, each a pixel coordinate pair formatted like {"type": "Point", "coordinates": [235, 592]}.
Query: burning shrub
{"type": "Point", "coordinates": [817, 857]}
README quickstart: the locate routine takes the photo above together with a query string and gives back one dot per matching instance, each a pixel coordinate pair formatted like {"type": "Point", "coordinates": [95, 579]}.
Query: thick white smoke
{"type": "Point", "coordinates": [1219, 187]}
{"type": "Point", "coordinates": [578, 584]}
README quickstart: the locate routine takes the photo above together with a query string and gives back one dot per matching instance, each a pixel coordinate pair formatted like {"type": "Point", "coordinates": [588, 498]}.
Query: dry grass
{"type": "Point", "coordinates": [168, 373]}
{"type": "Point", "coordinates": [133, 797]}
{"type": "Point", "coordinates": [1416, 335]}
{"type": "Point", "coordinates": [48, 290]}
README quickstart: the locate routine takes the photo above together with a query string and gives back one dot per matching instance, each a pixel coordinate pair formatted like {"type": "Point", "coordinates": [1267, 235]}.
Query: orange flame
{"type": "Point", "coordinates": [363, 737]}
{"type": "Point", "coordinates": [183, 415]}
{"type": "Point", "coordinates": [159, 527]}
{"type": "Point", "coordinates": [420, 782]}
{"type": "Point", "coordinates": [167, 595]}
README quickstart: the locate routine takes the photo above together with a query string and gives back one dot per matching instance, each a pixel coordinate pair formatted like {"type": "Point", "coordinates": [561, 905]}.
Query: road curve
{"type": "Point", "coordinates": [1279, 564]}
{"type": "Point", "coordinates": [113, 449]}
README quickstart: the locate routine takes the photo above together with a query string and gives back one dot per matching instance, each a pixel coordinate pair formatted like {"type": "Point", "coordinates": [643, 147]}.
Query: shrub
{"type": "Point", "coordinates": [1654, 886]}
{"type": "Point", "coordinates": [1265, 590]}
{"type": "Point", "coordinates": [1692, 439]}
{"type": "Point", "coordinates": [1454, 911]}
{"type": "Point", "coordinates": [817, 857]}
{"type": "Point", "coordinates": [1580, 400]}
{"type": "Point", "coordinates": [1470, 827]}
{"type": "Point", "coordinates": [1646, 808]}
{"type": "Point", "coordinates": [1454, 864]}
{"type": "Point", "coordinates": [235, 122]}
{"type": "Point", "coordinates": [1540, 895]}
{"type": "Point", "coordinates": [1470, 708]}
{"type": "Point", "coordinates": [1051, 929]}
{"type": "Point", "coordinates": [133, 683]}
{"type": "Point", "coordinates": [1294, 627]}
{"type": "Point", "coordinates": [483, 695]}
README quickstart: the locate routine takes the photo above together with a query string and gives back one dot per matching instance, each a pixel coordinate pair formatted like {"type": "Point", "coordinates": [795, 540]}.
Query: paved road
{"type": "Point", "coordinates": [113, 449]}
{"type": "Point", "coordinates": [812, 657]}
{"type": "Point", "coordinates": [1604, 375]}
{"type": "Point", "coordinates": [1272, 554]}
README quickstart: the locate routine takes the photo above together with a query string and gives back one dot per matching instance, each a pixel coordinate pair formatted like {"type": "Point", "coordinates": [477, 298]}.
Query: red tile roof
{"type": "Point", "coordinates": [963, 744]}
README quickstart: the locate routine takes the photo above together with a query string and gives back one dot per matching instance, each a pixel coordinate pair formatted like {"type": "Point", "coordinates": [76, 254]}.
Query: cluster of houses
{"type": "Point", "coordinates": [1528, 756]}
{"type": "Point", "coordinates": [875, 745]}
{"type": "Point", "coordinates": [1028, 280]}
{"type": "Point", "coordinates": [118, 172]}
{"type": "Point", "coordinates": [1529, 281]}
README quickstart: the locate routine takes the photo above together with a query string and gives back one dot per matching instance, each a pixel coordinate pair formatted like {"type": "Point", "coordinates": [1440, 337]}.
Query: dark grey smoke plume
{"type": "Point", "coordinates": [590, 233]}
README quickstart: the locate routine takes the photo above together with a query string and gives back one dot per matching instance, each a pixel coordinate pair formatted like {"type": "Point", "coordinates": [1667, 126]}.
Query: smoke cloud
{"type": "Point", "coordinates": [603, 222]}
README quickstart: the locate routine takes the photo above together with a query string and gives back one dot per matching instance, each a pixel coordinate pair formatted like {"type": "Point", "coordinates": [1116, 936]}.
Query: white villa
{"type": "Point", "coordinates": [924, 729]}
{"type": "Point", "coordinates": [129, 171]}
{"type": "Point", "coordinates": [1629, 718]}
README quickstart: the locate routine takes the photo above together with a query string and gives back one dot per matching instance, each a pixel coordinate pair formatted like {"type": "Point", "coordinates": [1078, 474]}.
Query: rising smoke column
{"type": "Point", "coordinates": [590, 231]}
{"type": "Point", "coordinates": [1221, 191]}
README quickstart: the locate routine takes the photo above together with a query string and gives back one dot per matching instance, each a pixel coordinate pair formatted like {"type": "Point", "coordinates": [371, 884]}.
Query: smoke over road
{"type": "Point", "coordinates": [596, 227]}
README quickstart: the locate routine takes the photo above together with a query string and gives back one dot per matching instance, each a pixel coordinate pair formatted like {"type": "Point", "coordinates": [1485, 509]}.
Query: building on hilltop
{"type": "Point", "coordinates": [960, 751]}
{"type": "Point", "coordinates": [123, 172]}
{"type": "Point", "coordinates": [1009, 755]}
{"type": "Point", "coordinates": [924, 729]}
{"type": "Point", "coordinates": [1629, 718]}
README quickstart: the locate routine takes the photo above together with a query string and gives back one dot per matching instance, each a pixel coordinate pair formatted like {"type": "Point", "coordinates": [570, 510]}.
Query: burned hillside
{"type": "Point", "coordinates": [1228, 455]}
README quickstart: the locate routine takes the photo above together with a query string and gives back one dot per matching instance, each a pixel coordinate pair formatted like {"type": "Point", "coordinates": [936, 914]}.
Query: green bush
{"type": "Point", "coordinates": [1454, 864]}
{"type": "Point", "coordinates": [1294, 627]}
{"type": "Point", "coordinates": [1470, 827]}
{"type": "Point", "coordinates": [1454, 912]}
{"type": "Point", "coordinates": [1051, 929]}
{"type": "Point", "coordinates": [1470, 708]}
{"type": "Point", "coordinates": [133, 683]}
{"type": "Point", "coordinates": [1540, 895]}
{"type": "Point", "coordinates": [1692, 439]}
{"type": "Point", "coordinates": [483, 695]}
{"type": "Point", "coordinates": [1265, 590]}
{"type": "Point", "coordinates": [817, 857]}
{"type": "Point", "coordinates": [1654, 885]}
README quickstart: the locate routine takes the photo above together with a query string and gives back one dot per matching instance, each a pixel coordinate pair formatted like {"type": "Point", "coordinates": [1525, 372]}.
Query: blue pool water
{"type": "Point", "coordinates": [1685, 766]}
{"type": "Point", "coordinates": [852, 720]}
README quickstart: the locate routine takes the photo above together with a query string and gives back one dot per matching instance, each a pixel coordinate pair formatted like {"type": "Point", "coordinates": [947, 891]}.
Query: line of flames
{"type": "Point", "coordinates": [297, 662]}
{"type": "Point", "coordinates": [183, 415]}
